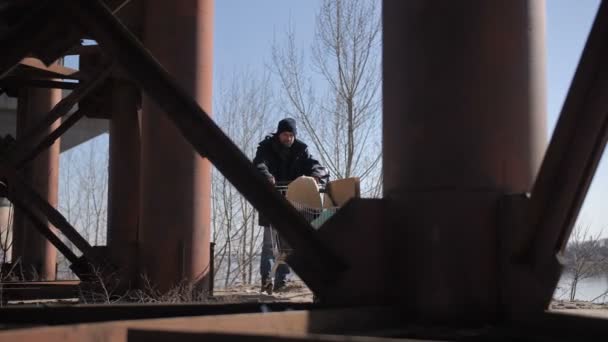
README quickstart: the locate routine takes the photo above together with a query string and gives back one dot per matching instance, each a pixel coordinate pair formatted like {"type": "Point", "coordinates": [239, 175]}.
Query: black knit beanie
{"type": "Point", "coordinates": [287, 125]}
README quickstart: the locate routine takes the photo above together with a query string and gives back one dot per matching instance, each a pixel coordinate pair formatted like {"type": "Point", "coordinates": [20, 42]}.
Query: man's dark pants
{"type": "Point", "coordinates": [265, 261]}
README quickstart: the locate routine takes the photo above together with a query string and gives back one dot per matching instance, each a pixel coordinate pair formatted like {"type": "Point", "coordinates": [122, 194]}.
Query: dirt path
{"type": "Point", "coordinates": [294, 291]}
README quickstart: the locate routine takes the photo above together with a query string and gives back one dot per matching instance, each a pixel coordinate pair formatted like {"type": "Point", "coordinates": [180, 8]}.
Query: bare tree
{"type": "Point", "coordinates": [583, 257]}
{"type": "Point", "coordinates": [83, 190]}
{"type": "Point", "coordinates": [244, 113]}
{"type": "Point", "coordinates": [92, 177]}
{"type": "Point", "coordinates": [338, 102]}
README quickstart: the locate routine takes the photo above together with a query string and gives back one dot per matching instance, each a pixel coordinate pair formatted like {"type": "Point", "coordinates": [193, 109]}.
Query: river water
{"type": "Point", "coordinates": [587, 289]}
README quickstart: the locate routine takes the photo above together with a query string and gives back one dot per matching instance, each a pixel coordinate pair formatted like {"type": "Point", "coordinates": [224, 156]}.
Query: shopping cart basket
{"type": "Point", "coordinates": [316, 216]}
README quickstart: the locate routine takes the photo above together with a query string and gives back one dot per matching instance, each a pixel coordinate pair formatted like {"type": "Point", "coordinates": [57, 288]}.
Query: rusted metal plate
{"type": "Point", "coordinates": [523, 294]}
{"type": "Point", "coordinates": [95, 313]}
{"type": "Point", "coordinates": [437, 260]}
{"type": "Point", "coordinates": [294, 323]}
{"type": "Point", "coordinates": [359, 234]}
{"type": "Point", "coordinates": [73, 314]}
{"type": "Point", "coordinates": [304, 324]}
{"type": "Point", "coordinates": [135, 335]}
{"type": "Point", "coordinates": [22, 291]}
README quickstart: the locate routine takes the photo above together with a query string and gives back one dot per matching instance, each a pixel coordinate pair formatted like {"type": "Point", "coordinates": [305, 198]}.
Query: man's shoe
{"type": "Point", "coordinates": [266, 286]}
{"type": "Point", "coordinates": [279, 286]}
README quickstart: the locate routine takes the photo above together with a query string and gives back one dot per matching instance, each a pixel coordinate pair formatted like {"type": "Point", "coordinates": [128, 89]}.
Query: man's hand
{"type": "Point", "coordinates": [271, 180]}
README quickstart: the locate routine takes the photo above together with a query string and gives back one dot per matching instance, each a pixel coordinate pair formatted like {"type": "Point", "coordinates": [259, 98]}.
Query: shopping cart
{"type": "Point", "coordinates": [315, 215]}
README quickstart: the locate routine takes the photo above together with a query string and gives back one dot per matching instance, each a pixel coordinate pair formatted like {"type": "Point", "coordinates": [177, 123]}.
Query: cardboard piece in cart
{"type": "Point", "coordinates": [340, 191]}
{"type": "Point", "coordinates": [305, 192]}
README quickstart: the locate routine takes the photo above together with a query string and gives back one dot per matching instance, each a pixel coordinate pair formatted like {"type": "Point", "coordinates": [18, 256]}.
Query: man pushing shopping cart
{"type": "Point", "coordinates": [281, 158]}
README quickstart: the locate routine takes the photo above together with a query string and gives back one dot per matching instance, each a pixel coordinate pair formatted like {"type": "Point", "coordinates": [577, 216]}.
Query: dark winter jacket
{"type": "Point", "coordinates": [272, 160]}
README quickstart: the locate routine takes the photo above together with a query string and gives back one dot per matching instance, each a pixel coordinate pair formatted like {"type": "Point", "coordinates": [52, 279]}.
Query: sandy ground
{"type": "Point", "coordinates": [295, 291]}
{"type": "Point", "coordinates": [580, 308]}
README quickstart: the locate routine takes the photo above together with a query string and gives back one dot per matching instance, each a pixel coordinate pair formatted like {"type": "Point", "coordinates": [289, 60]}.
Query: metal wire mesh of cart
{"type": "Point", "coordinates": [316, 217]}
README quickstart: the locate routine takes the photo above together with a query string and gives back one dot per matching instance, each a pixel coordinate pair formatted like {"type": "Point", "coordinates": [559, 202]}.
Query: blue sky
{"type": "Point", "coordinates": [568, 24]}
{"type": "Point", "coordinates": [245, 29]}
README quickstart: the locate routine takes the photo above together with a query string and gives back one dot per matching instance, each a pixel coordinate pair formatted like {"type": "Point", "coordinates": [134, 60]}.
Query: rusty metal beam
{"type": "Point", "coordinates": [95, 313]}
{"type": "Point", "coordinates": [21, 291]}
{"type": "Point", "coordinates": [293, 323]}
{"type": "Point", "coordinates": [61, 109]}
{"type": "Point", "coordinates": [14, 81]}
{"type": "Point", "coordinates": [22, 194]}
{"type": "Point", "coordinates": [31, 197]}
{"type": "Point", "coordinates": [51, 138]}
{"type": "Point", "coordinates": [39, 224]}
{"type": "Point", "coordinates": [39, 212]}
{"type": "Point", "coordinates": [208, 139]}
{"type": "Point", "coordinates": [83, 50]}
{"type": "Point", "coordinates": [573, 154]}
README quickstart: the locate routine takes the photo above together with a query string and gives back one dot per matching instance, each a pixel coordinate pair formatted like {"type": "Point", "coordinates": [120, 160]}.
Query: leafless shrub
{"type": "Point", "coordinates": [186, 291]}
{"type": "Point", "coordinates": [102, 286]}
{"type": "Point", "coordinates": [585, 257]}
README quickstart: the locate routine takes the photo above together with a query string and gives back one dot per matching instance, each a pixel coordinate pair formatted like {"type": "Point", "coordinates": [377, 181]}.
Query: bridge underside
{"type": "Point", "coordinates": [83, 131]}
{"type": "Point", "coordinates": [475, 208]}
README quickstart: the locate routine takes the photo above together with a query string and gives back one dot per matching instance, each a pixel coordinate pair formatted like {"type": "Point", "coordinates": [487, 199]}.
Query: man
{"type": "Point", "coordinates": [282, 158]}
